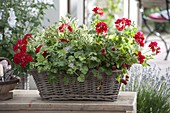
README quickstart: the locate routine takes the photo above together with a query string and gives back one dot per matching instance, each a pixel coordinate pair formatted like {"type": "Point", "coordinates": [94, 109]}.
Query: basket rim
{"type": "Point", "coordinates": [15, 80]}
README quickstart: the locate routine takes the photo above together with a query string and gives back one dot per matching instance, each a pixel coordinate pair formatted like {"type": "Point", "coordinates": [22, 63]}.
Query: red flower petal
{"type": "Point", "coordinates": [101, 27]}
{"type": "Point", "coordinates": [124, 81]}
{"type": "Point", "coordinates": [63, 26]}
{"type": "Point", "coordinates": [139, 38]}
{"type": "Point", "coordinates": [45, 53]}
{"type": "Point", "coordinates": [27, 36]}
{"type": "Point", "coordinates": [140, 57]}
{"type": "Point", "coordinates": [38, 49]}
{"type": "Point", "coordinates": [122, 23]}
{"type": "Point", "coordinates": [98, 10]}
{"type": "Point", "coordinates": [154, 47]}
{"type": "Point", "coordinates": [64, 40]}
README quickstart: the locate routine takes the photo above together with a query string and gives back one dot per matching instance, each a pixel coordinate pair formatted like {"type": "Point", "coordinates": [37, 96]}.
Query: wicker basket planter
{"type": "Point", "coordinates": [91, 89]}
{"type": "Point", "coordinates": [6, 87]}
{"type": "Point", "coordinates": [8, 83]}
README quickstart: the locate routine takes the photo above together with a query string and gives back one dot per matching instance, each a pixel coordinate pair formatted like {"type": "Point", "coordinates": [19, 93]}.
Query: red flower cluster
{"type": "Point", "coordinates": [139, 38]}
{"type": "Point", "coordinates": [154, 47]}
{"type": "Point", "coordinates": [63, 26]}
{"type": "Point", "coordinates": [22, 59]}
{"type": "Point", "coordinates": [101, 27]}
{"type": "Point", "coordinates": [98, 10]}
{"type": "Point", "coordinates": [20, 56]}
{"type": "Point", "coordinates": [140, 57]}
{"type": "Point", "coordinates": [20, 46]}
{"type": "Point", "coordinates": [122, 23]}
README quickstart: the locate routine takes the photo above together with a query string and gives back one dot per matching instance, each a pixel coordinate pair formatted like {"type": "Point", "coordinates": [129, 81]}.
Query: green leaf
{"type": "Point", "coordinates": [71, 58]}
{"type": "Point", "coordinates": [70, 71]}
{"type": "Point", "coordinates": [101, 69]}
{"type": "Point", "coordinates": [118, 79]}
{"type": "Point", "coordinates": [108, 72]}
{"type": "Point", "coordinates": [81, 78]}
{"type": "Point", "coordinates": [107, 65]}
{"type": "Point", "coordinates": [61, 63]}
{"type": "Point", "coordinates": [84, 70]}
{"type": "Point", "coordinates": [66, 80]}
{"type": "Point", "coordinates": [40, 58]}
{"type": "Point", "coordinates": [81, 58]}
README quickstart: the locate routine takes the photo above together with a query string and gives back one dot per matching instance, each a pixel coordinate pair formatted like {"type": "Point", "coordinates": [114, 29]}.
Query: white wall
{"type": "Point", "coordinates": [131, 11]}
{"type": "Point", "coordinates": [54, 15]}
{"type": "Point", "coordinates": [76, 10]}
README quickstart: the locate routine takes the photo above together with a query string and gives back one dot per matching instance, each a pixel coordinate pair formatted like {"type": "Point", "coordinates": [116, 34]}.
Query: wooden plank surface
{"type": "Point", "coordinates": [58, 112]}
{"type": "Point", "coordinates": [29, 100]}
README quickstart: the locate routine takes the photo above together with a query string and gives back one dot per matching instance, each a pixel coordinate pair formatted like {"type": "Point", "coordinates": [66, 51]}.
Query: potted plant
{"type": "Point", "coordinates": [8, 80]}
{"type": "Point", "coordinates": [71, 62]}
{"type": "Point", "coordinates": [18, 18]}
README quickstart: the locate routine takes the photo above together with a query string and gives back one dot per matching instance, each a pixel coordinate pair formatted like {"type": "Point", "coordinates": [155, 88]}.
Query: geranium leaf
{"type": "Point", "coordinates": [108, 72]}
{"type": "Point", "coordinates": [81, 78]}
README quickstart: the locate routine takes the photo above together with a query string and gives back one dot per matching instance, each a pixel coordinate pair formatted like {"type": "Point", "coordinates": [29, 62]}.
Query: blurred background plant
{"type": "Point", "coordinates": [153, 89]}
{"type": "Point", "coordinates": [111, 10]}
{"type": "Point", "coordinates": [18, 17]}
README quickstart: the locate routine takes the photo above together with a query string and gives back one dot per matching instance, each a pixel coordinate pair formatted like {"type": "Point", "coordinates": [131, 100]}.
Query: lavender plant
{"type": "Point", "coordinates": [153, 88]}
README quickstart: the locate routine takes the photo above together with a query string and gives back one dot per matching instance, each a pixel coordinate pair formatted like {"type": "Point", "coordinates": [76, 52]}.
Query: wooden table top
{"type": "Point", "coordinates": [30, 100]}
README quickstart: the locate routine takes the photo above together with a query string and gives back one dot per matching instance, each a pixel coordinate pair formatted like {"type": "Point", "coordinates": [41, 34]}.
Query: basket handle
{"type": "Point", "coordinates": [8, 73]}
{"type": "Point", "coordinates": [9, 62]}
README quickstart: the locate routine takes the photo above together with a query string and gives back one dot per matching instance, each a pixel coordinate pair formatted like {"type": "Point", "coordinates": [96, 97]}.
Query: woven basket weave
{"type": "Point", "coordinates": [7, 86]}
{"type": "Point", "coordinates": [87, 90]}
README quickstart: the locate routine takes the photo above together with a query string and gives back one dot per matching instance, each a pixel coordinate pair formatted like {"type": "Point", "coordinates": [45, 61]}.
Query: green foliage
{"type": "Point", "coordinates": [74, 50]}
{"type": "Point", "coordinates": [83, 51]}
{"type": "Point", "coordinates": [26, 15]}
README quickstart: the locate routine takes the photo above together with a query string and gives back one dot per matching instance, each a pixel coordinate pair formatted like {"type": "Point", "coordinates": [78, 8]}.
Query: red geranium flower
{"type": "Point", "coordinates": [20, 56]}
{"type": "Point", "coordinates": [22, 59]}
{"type": "Point", "coordinates": [98, 10]}
{"type": "Point", "coordinates": [101, 27]}
{"type": "Point", "coordinates": [26, 36]}
{"type": "Point", "coordinates": [139, 38]}
{"type": "Point", "coordinates": [122, 23]}
{"type": "Point", "coordinates": [63, 26]}
{"type": "Point", "coordinates": [158, 50]}
{"type": "Point", "coordinates": [154, 47]}
{"type": "Point", "coordinates": [140, 57]}
{"type": "Point", "coordinates": [20, 46]}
